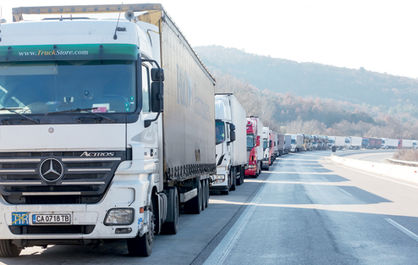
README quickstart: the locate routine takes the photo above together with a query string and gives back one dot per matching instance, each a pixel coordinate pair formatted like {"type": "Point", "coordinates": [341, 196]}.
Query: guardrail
{"type": "Point", "coordinates": [403, 162]}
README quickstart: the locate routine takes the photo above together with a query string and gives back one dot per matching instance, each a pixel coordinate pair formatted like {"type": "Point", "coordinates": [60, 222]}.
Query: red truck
{"type": "Point", "coordinates": [254, 149]}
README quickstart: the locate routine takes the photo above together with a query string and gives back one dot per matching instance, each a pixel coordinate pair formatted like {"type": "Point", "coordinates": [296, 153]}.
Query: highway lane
{"type": "Point", "coordinates": [310, 211]}
{"type": "Point", "coordinates": [305, 210]}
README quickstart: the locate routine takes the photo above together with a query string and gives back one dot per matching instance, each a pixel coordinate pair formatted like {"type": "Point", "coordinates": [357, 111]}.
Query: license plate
{"type": "Point", "coordinates": [41, 219]}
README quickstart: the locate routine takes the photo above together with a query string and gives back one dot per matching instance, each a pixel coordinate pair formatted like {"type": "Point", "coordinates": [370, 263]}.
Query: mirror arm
{"type": "Point", "coordinates": [147, 123]}
{"type": "Point", "coordinates": [151, 61]}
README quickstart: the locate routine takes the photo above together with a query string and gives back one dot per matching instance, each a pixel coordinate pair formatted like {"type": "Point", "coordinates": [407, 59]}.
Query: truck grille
{"type": "Point", "coordinates": [76, 177]}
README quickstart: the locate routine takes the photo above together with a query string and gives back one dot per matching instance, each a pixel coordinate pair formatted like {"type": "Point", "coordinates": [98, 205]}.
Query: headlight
{"type": "Point", "coordinates": [219, 178]}
{"type": "Point", "coordinates": [119, 216]}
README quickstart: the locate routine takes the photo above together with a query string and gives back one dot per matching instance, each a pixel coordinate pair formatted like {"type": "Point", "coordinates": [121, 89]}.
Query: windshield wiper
{"type": "Point", "coordinates": [14, 110]}
{"type": "Point", "coordinates": [85, 109]}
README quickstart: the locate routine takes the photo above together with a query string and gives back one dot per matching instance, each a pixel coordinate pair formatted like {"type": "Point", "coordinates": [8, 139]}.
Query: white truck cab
{"type": "Point", "coordinates": [231, 155]}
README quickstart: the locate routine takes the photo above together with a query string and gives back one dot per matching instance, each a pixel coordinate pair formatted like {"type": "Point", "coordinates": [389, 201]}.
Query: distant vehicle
{"type": "Point", "coordinates": [365, 142]}
{"type": "Point", "coordinates": [287, 147]}
{"type": "Point", "coordinates": [315, 142]}
{"type": "Point", "coordinates": [296, 142]}
{"type": "Point", "coordinates": [275, 139]}
{"type": "Point", "coordinates": [407, 144]}
{"type": "Point", "coordinates": [231, 136]}
{"type": "Point", "coordinates": [331, 141]}
{"type": "Point", "coordinates": [323, 142]}
{"type": "Point", "coordinates": [307, 142]}
{"type": "Point", "coordinates": [272, 146]}
{"type": "Point", "coordinates": [280, 144]}
{"type": "Point", "coordinates": [265, 163]}
{"type": "Point", "coordinates": [355, 142]}
{"type": "Point", "coordinates": [254, 146]}
{"type": "Point", "coordinates": [341, 142]}
{"type": "Point", "coordinates": [374, 143]}
{"type": "Point", "coordinates": [388, 143]}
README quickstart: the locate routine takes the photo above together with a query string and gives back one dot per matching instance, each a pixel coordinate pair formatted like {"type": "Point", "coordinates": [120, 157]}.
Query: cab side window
{"type": "Point", "coordinates": [145, 87]}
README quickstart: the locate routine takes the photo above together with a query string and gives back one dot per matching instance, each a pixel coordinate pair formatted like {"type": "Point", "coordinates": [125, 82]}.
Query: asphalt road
{"type": "Point", "coordinates": [305, 210]}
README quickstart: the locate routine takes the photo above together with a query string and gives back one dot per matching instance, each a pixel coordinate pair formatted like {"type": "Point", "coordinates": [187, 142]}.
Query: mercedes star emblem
{"type": "Point", "coordinates": [51, 170]}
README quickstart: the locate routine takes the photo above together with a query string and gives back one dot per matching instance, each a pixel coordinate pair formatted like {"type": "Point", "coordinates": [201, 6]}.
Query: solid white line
{"type": "Point", "coordinates": [346, 192]}
{"type": "Point", "coordinates": [377, 176]}
{"type": "Point", "coordinates": [403, 229]}
{"type": "Point", "coordinates": [221, 252]}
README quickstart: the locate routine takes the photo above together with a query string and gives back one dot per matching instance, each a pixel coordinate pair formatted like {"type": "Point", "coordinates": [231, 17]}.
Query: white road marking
{"type": "Point", "coordinates": [221, 252]}
{"type": "Point", "coordinates": [346, 192]}
{"type": "Point", "coordinates": [402, 229]}
{"type": "Point", "coordinates": [298, 172]}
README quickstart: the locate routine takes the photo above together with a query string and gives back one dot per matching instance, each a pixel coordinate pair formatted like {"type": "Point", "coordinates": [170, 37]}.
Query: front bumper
{"type": "Point", "coordinates": [127, 190]}
{"type": "Point", "coordinates": [251, 171]}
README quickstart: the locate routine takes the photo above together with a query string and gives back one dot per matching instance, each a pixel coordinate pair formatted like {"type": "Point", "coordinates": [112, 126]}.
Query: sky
{"type": "Point", "coordinates": [378, 35]}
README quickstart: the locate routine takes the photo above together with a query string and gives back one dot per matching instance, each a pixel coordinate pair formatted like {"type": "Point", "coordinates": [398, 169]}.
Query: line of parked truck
{"type": "Point", "coordinates": [356, 143]}
{"type": "Point", "coordinates": [110, 128]}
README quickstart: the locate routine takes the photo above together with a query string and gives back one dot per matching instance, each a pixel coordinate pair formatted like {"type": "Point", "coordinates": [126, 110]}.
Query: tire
{"type": "Point", "coordinates": [207, 193]}
{"type": "Point", "coordinates": [8, 249]}
{"type": "Point", "coordinates": [203, 183]}
{"type": "Point", "coordinates": [194, 206]}
{"type": "Point", "coordinates": [225, 192]}
{"type": "Point", "coordinates": [142, 246]}
{"type": "Point", "coordinates": [241, 177]}
{"type": "Point", "coordinates": [173, 213]}
{"type": "Point", "coordinates": [233, 173]}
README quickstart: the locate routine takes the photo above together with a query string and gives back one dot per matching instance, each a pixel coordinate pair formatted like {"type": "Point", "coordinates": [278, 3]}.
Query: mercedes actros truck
{"type": "Point", "coordinates": [106, 127]}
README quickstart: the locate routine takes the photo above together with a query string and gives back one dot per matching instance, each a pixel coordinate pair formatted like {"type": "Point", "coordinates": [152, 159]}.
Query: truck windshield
{"type": "Point", "coordinates": [220, 131]}
{"type": "Point", "coordinates": [293, 141]}
{"type": "Point", "coordinates": [46, 87]}
{"type": "Point", "coordinates": [250, 141]}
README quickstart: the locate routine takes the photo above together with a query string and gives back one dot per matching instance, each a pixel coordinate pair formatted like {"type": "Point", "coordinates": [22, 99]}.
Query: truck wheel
{"type": "Point", "coordinates": [8, 249]}
{"type": "Point", "coordinates": [207, 193]}
{"type": "Point", "coordinates": [142, 246]}
{"type": "Point", "coordinates": [225, 192]}
{"type": "Point", "coordinates": [194, 206]}
{"type": "Point", "coordinates": [203, 182]}
{"type": "Point", "coordinates": [240, 180]}
{"type": "Point", "coordinates": [233, 178]}
{"type": "Point", "coordinates": [170, 227]}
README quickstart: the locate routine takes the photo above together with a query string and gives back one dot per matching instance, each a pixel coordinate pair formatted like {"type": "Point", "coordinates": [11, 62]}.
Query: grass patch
{"type": "Point", "coordinates": [407, 155]}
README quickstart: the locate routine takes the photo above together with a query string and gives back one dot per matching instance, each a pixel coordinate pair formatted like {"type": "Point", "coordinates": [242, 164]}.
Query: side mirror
{"type": "Point", "coordinates": [232, 132]}
{"type": "Point", "coordinates": [157, 74]}
{"type": "Point", "coordinates": [157, 96]}
{"type": "Point", "coordinates": [233, 136]}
